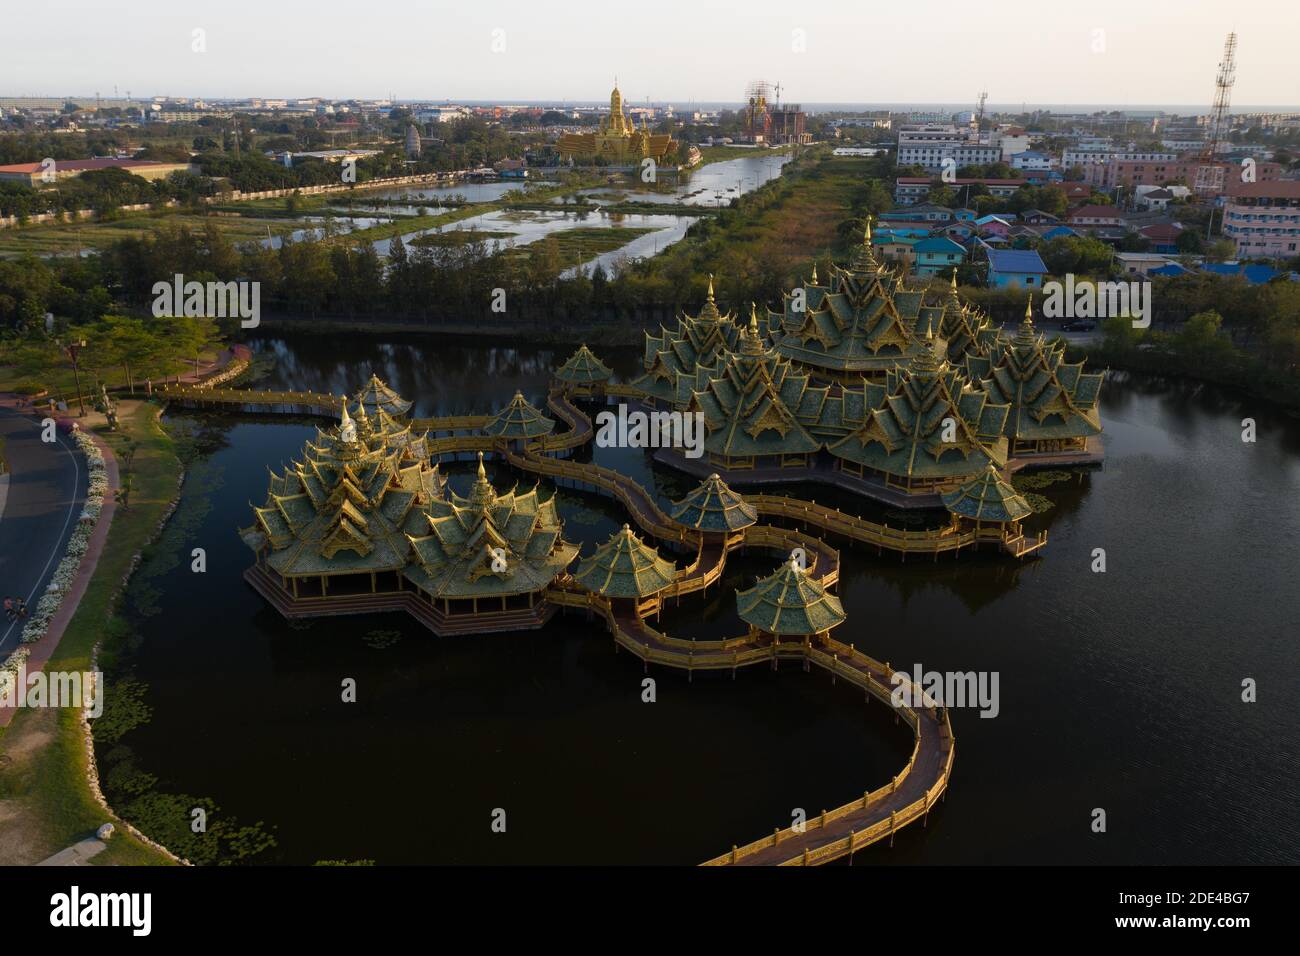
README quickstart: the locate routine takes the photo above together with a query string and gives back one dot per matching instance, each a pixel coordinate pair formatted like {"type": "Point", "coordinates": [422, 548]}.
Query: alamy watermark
{"type": "Point", "coordinates": [1098, 300]}
{"type": "Point", "coordinates": [53, 689]}
{"type": "Point", "coordinates": [639, 429]}
{"type": "Point", "coordinates": [976, 689]}
{"type": "Point", "coordinates": [240, 299]}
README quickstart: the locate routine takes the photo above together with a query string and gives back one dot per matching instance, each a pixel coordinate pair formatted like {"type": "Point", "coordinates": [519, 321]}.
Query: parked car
{"type": "Point", "coordinates": [1078, 325]}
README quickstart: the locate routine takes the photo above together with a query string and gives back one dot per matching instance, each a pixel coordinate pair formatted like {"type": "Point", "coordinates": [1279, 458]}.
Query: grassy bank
{"type": "Point", "coordinates": [44, 788]}
{"type": "Point", "coordinates": [68, 238]}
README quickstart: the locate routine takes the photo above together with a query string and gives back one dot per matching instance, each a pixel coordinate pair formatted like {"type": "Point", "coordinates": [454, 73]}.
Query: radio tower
{"type": "Point", "coordinates": [1219, 122]}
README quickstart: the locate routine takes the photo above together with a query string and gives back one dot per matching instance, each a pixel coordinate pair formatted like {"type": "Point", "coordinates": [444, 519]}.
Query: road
{"type": "Point", "coordinates": [47, 490]}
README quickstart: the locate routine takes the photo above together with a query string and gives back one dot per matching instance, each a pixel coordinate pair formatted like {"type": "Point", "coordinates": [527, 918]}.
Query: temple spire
{"type": "Point", "coordinates": [710, 296]}
{"type": "Point", "coordinates": [814, 275]}
{"type": "Point", "coordinates": [347, 427]}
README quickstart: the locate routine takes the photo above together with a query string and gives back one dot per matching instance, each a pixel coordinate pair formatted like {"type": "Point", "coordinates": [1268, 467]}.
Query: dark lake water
{"type": "Point", "coordinates": [1118, 690]}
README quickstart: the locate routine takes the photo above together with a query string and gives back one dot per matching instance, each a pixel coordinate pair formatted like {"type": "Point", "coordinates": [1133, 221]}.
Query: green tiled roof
{"type": "Point", "coordinates": [583, 368]}
{"type": "Point", "coordinates": [905, 437]}
{"type": "Point", "coordinates": [697, 341]}
{"type": "Point", "coordinates": [519, 419]}
{"type": "Point", "coordinates": [346, 505]}
{"type": "Point", "coordinates": [488, 544]}
{"type": "Point", "coordinates": [987, 498]}
{"type": "Point", "coordinates": [1049, 398]}
{"type": "Point", "coordinates": [625, 566]}
{"type": "Point", "coordinates": [714, 507]}
{"type": "Point", "coordinates": [863, 321]}
{"type": "Point", "coordinates": [376, 396]}
{"type": "Point", "coordinates": [789, 602]}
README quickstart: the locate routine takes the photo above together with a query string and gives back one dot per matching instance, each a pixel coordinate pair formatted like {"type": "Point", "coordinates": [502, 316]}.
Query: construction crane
{"type": "Point", "coordinates": [1219, 122]}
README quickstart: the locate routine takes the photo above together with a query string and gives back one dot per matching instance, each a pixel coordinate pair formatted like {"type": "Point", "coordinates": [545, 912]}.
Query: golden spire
{"type": "Point", "coordinates": [753, 318]}
{"type": "Point", "coordinates": [482, 475]}
{"type": "Point", "coordinates": [1029, 309]}
{"type": "Point", "coordinates": [866, 238]}
{"type": "Point", "coordinates": [954, 278]}
{"type": "Point", "coordinates": [710, 287]}
{"type": "Point", "coordinates": [814, 275]}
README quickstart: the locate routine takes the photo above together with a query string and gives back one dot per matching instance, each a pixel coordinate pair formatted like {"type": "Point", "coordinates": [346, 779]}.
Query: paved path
{"type": "Point", "coordinates": [78, 854]}
{"type": "Point", "coordinates": [47, 489]}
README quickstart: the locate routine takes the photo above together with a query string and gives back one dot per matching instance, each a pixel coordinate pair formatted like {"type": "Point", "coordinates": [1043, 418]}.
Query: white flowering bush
{"type": "Point", "coordinates": [39, 617]}
{"type": "Point", "coordinates": [9, 671]}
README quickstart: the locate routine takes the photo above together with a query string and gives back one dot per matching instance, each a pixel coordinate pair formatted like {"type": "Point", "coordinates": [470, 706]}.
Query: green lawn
{"type": "Point", "coordinates": [61, 382]}
{"type": "Point", "coordinates": [47, 783]}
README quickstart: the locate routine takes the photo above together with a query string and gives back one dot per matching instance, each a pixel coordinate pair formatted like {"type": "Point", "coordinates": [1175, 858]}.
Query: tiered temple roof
{"type": "Point", "coordinates": [965, 329]}
{"type": "Point", "coordinates": [862, 323]}
{"type": "Point", "coordinates": [345, 507]}
{"type": "Point", "coordinates": [625, 567]}
{"type": "Point", "coordinates": [583, 368]}
{"type": "Point", "coordinates": [789, 602]}
{"type": "Point", "coordinates": [519, 419]}
{"type": "Point", "coordinates": [1050, 399]}
{"type": "Point", "coordinates": [377, 396]}
{"type": "Point", "coordinates": [697, 341]}
{"type": "Point", "coordinates": [927, 402]}
{"type": "Point", "coordinates": [987, 498]}
{"type": "Point", "coordinates": [714, 507]}
{"type": "Point", "coordinates": [488, 544]}
{"type": "Point", "coordinates": [753, 403]}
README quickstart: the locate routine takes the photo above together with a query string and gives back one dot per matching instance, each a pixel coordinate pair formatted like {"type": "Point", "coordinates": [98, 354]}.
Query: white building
{"type": "Point", "coordinates": [928, 146]}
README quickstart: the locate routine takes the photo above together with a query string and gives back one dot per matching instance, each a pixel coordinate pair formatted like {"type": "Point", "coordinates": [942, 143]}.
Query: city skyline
{"type": "Point", "coordinates": [681, 54]}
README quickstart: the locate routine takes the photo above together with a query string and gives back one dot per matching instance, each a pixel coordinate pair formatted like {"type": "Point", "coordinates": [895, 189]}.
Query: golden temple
{"type": "Point", "coordinates": [617, 140]}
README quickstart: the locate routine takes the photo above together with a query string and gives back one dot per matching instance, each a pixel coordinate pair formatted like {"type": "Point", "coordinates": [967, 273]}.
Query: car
{"type": "Point", "coordinates": [1078, 325]}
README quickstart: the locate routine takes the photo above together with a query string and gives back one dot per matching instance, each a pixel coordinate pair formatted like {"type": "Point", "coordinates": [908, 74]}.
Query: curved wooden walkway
{"type": "Point", "coordinates": [827, 836]}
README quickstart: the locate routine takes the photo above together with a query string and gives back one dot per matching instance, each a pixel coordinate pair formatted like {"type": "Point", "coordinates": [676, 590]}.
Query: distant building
{"type": "Point", "coordinates": [412, 142]}
{"type": "Point", "coordinates": [1031, 160]}
{"type": "Point", "coordinates": [930, 146]}
{"type": "Point", "coordinates": [937, 254]}
{"type": "Point", "coordinates": [1263, 219]}
{"type": "Point", "coordinates": [1015, 268]}
{"type": "Point", "coordinates": [1096, 216]}
{"type": "Point", "coordinates": [913, 189]}
{"type": "Point", "coordinates": [35, 174]}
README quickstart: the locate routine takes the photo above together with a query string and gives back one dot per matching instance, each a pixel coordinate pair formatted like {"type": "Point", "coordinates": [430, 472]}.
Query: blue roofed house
{"type": "Point", "coordinates": [937, 254]}
{"type": "Point", "coordinates": [1254, 274]}
{"type": "Point", "coordinates": [1015, 268]}
{"type": "Point", "coordinates": [1058, 232]}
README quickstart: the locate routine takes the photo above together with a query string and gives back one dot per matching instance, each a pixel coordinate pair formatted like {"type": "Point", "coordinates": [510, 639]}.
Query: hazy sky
{"type": "Point", "coordinates": [1106, 51]}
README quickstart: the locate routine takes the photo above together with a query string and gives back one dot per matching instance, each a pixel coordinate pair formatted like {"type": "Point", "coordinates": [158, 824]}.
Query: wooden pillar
{"type": "Point", "coordinates": [324, 586]}
{"type": "Point", "coordinates": [372, 582]}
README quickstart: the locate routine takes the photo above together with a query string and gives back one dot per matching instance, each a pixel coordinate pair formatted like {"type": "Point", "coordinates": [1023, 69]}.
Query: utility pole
{"type": "Point", "coordinates": [72, 348]}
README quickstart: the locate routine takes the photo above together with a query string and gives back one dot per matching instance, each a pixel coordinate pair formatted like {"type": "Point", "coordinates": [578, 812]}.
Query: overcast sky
{"type": "Point", "coordinates": [854, 51]}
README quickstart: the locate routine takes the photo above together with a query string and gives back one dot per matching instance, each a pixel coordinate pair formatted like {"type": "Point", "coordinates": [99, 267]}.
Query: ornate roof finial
{"type": "Point", "coordinates": [482, 474]}
{"type": "Point", "coordinates": [753, 317]}
{"type": "Point", "coordinates": [347, 427]}
{"type": "Point", "coordinates": [954, 278]}
{"type": "Point", "coordinates": [866, 237]}
{"type": "Point", "coordinates": [710, 286]}
{"type": "Point", "coordinates": [814, 275]}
